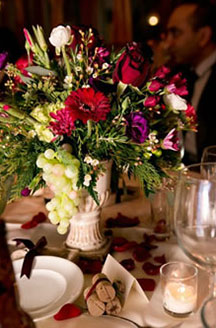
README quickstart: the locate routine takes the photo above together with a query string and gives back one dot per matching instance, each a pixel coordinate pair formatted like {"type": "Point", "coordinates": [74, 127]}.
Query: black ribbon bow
{"type": "Point", "coordinates": [34, 249]}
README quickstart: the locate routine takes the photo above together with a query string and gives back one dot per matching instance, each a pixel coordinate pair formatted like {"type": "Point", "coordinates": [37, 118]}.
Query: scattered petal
{"type": "Point", "coordinates": [122, 221]}
{"type": "Point", "coordinates": [151, 269]}
{"type": "Point", "coordinates": [140, 254]}
{"type": "Point", "coordinates": [90, 266]}
{"type": "Point", "coordinates": [160, 259]}
{"type": "Point", "coordinates": [128, 264]}
{"type": "Point", "coordinates": [67, 311]}
{"type": "Point", "coordinates": [39, 218]}
{"type": "Point", "coordinates": [147, 284]}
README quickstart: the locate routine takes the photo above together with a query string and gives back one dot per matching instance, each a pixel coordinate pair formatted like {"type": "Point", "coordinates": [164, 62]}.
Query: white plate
{"type": "Point", "coordinates": [54, 281]}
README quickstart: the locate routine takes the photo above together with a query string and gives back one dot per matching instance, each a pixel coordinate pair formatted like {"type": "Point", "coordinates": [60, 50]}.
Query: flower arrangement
{"type": "Point", "coordinates": [62, 113]}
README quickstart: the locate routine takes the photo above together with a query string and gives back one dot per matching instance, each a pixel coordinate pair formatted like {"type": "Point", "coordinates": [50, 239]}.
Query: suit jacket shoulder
{"type": "Point", "coordinates": [206, 112]}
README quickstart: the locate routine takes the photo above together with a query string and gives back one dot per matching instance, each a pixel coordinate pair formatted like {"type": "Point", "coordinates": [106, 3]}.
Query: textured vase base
{"type": "Point", "coordinates": [99, 253]}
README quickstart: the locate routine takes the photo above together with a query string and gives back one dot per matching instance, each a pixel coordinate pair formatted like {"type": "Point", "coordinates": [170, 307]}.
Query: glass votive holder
{"type": "Point", "coordinates": [179, 288]}
{"type": "Point", "coordinates": [160, 216]}
{"type": "Point", "coordinates": [208, 316]}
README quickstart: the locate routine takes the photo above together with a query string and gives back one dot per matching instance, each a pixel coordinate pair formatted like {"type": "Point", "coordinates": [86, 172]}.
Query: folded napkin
{"type": "Point", "coordinates": [134, 298]}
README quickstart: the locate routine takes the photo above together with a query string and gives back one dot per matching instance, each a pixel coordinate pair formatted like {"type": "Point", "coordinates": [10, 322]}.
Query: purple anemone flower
{"type": "Point", "coordinates": [3, 59]}
{"type": "Point", "coordinates": [25, 192]}
{"type": "Point", "coordinates": [137, 127]}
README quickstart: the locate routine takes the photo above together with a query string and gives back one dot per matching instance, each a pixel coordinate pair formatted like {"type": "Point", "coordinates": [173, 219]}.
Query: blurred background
{"type": "Point", "coordinates": [118, 21]}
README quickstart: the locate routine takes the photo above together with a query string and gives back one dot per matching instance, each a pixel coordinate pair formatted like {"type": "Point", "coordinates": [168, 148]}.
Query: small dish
{"type": "Point", "coordinates": [54, 281]}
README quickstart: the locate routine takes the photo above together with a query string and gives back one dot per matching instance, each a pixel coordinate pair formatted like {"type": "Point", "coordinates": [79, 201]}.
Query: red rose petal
{"type": "Point", "coordinates": [39, 218]}
{"type": "Point", "coordinates": [148, 238]}
{"type": "Point", "coordinates": [67, 311]}
{"type": "Point", "coordinates": [128, 264]}
{"type": "Point", "coordinates": [122, 221]}
{"type": "Point", "coordinates": [147, 284]}
{"type": "Point", "coordinates": [151, 269]}
{"type": "Point", "coordinates": [90, 266]}
{"type": "Point", "coordinates": [28, 225]}
{"type": "Point", "coordinates": [161, 227]}
{"type": "Point", "coordinates": [148, 246]}
{"type": "Point", "coordinates": [124, 247]}
{"type": "Point", "coordinates": [118, 241]}
{"type": "Point", "coordinates": [140, 254]}
{"type": "Point", "coordinates": [160, 259]}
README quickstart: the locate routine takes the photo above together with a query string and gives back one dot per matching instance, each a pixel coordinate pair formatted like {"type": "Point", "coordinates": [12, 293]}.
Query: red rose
{"type": "Point", "coordinates": [21, 64]}
{"type": "Point", "coordinates": [132, 67]}
{"type": "Point", "coordinates": [192, 117]}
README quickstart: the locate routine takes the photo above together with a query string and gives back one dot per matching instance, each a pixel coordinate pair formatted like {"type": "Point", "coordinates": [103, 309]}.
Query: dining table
{"type": "Point", "coordinates": [144, 308]}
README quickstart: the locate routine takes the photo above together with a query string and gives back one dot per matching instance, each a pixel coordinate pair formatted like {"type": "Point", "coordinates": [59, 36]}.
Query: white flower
{"type": "Point", "coordinates": [68, 79]}
{"type": "Point", "coordinates": [87, 180]}
{"type": "Point", "coordinates": [43, 133]}
{"type": "Point", "coordinates": [86, 183]}
{"type": "Point", "coordinates": [32, 134]}
{"type": "Point", "coordinates": [87, 177]}
{"type": "Point", "coordinates": [79, 57]}
{"type": "Point", "coordinates": [105, 65]}
{"type": "Point", "coordinates": [60, 36]}
{"type": "Point", "coordinates": [95, 162]}
{"type": "Point", "coordinates": [175, 102]}
{"type": "Point", "coordinates": [89, 70]}
{"type": "Point", "coordinates": [88, 159]}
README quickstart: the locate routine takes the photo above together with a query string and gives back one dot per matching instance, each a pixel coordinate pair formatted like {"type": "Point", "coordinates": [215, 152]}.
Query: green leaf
{"type": "Point", "coordinates": [125, 103]}
{"type": "Point", "coordinates": [149, 177]}
{"type": "Point", "coordinates": [121, 88]}
{"type": "Point", "coordinates": [26, 79]}
{"type": "Point", "coordinates": [39, 70]}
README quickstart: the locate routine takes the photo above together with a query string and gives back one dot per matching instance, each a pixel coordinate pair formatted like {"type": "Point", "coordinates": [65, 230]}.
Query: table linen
{"type": "Point", "coordinates": [135, 308]}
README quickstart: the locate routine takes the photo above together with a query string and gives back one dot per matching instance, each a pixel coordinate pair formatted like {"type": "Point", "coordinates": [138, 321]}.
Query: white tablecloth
{"type": "Point", "coordinates": [153, 313]}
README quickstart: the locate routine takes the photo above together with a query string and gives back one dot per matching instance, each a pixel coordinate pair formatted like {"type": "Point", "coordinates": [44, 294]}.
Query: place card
{"type": "Point", "coordinates": [134, 298]}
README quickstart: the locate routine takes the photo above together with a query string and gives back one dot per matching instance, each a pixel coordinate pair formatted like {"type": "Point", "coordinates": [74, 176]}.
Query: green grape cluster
{"type": "Point", "coordinates": [62, 180]}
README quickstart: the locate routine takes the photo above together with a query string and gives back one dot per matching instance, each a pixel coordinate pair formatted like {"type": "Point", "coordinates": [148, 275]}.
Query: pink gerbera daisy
{"type": "Point", "coordinates": [86, 104]}
{"type": "Point", "coordinates": [63, 124]}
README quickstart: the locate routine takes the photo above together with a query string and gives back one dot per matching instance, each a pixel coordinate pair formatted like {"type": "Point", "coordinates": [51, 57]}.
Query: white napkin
{"type": "Point", "coordinates": [135, 300]}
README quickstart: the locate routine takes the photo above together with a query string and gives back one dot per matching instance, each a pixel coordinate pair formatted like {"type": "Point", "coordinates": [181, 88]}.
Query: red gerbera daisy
{"type": "Point", "coordinates": [86, 104]}
{"type": "Point", "coordinates": [63, 124]}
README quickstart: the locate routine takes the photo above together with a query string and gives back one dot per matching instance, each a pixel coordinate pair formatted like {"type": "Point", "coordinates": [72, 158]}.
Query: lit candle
{"type": "Point", "coordinates": [179, 298]}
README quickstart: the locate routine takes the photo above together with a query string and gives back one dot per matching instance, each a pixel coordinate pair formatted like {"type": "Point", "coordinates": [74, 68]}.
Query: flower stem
{"type": "Point", "coordinates": [89, 126]}
{"type": "Point", "coordinates": [66, 61]}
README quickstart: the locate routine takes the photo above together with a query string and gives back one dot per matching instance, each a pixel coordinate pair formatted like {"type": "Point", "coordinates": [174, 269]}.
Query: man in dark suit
{"type": "Point", "coordinates": [191, 42]}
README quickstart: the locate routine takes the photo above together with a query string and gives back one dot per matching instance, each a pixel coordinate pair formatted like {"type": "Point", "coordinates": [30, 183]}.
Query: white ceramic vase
{"type": "Point", "coordinates": [85, 232]}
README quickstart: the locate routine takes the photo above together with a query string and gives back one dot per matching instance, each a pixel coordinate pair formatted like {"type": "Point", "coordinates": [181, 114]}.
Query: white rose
{"type": "Point", "coordinates": [60, 36]}
{"type": "Point", "coordinates": [175, 102]}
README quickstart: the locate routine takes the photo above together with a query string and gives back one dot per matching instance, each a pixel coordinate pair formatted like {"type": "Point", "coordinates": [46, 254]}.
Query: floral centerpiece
{"type": "Point", "coordinates": [63, 113]}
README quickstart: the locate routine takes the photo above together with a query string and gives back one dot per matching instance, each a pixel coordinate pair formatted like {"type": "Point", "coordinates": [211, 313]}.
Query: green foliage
{"type": "Point", "coordinates": [149, 177]}
{"type": "Point", "coordinates": [19, 161]}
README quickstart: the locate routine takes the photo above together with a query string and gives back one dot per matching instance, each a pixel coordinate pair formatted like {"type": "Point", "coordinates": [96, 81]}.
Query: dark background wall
{"type": "Point", "coordinates": [118, 21]}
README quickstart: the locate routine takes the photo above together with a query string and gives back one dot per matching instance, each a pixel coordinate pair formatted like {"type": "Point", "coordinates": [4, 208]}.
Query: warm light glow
{"type": "Point", "coordinates": [153, 20]}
